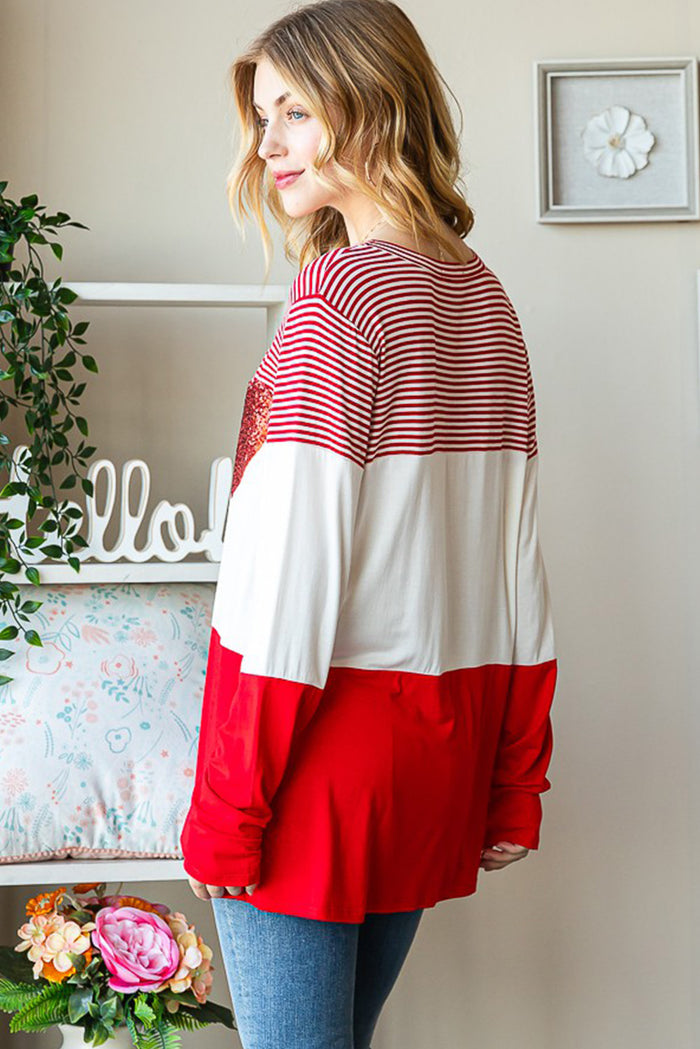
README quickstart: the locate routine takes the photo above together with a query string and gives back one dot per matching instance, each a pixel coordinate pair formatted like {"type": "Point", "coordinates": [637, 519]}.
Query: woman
{"type": "Point", "coordinates": [376, 716]}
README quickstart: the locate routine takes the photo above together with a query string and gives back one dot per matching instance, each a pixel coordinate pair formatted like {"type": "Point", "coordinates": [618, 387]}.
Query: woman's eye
{"type": "Point", "coordinates": [262, 121]}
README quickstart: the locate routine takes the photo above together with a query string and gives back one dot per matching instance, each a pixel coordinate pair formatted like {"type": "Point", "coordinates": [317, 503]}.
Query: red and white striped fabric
{"type": "Point", "coordinates": [381, 666]}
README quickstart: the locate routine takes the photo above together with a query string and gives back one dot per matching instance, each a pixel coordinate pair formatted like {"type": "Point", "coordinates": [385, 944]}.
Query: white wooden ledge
{"type": "Point", "coordinates": [63, 872]}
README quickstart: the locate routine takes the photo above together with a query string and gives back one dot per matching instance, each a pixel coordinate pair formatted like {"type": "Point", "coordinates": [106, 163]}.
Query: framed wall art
{"type": "Point", "coordinates": [617, 140]}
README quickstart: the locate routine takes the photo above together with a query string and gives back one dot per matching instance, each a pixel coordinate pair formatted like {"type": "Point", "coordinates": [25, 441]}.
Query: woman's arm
{"type": "Point", "coordinates": [294, 512]}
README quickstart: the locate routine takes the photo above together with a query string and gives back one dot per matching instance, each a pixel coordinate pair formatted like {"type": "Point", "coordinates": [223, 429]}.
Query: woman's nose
{"type": "Point", "coordinates": [271, 144]}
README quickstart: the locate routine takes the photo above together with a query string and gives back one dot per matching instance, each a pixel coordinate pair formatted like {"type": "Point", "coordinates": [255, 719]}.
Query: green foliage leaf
{"type": "Point", "coordinates": [214, 1013]}
{"type": "Point", "coordinates": [187, 1021]}
{"type": "Point", "coordinates": [143, 1010]}
{"type": "Point", "coordinates": [45, 1009]}
{"type": "Point", "coordinates": [52, 550]}
{"type": "Point", "coordinates": [164, 1036]}
{"type": "Point", "coordinates": [16, 966]}
{"type": "Point", "coordinates": [38, 352]}
{"type": "Point", "coordinates": [108, 1007]}
{"type": "Point", "coordinates": [78, 1003]}
{"type": "Point", "coordinates": [14, 996]}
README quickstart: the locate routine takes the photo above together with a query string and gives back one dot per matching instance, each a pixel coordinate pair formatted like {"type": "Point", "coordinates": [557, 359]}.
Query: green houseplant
{"type": "Point", "coordinates": [40, 347]}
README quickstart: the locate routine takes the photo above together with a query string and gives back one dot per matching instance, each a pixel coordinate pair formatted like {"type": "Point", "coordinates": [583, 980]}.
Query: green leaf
{"type": "Point", "coordinates": [8, 632]}
{"type": "Point", "coordinates": [108, 1007]}
{"type": "Point", "coordinates": [65, 296]}
{"type": "Point", "coordinates": [185, 1020]}
{"type": "Point", "coordinates": [14, 996]}
{"type": "Point", "coordinates": [90, 362]}
{"type": "Point", "coordinates": [133, 1030]}
{"type": "Point", "coordinates": [32, 638]}
{"type": "Point", "coordinates": [164, 1036]}
{"type": "Point", "coordinates": [101, 1034]}
{"type": "Point", "coordinates": [33, 574]}
{"type": "Point", "coordinates": [16, 966]}
{"type": "Point", "coordinates": [45, 1009]}
{"type": "Point", "coordinates": [52, 550]}
{"type": "Point", "coordinates": [144, 1011]}
{"type": "Point", "coordinates": [78, 1003]}
{"type": "Point", "coordinates": [214, 1013]}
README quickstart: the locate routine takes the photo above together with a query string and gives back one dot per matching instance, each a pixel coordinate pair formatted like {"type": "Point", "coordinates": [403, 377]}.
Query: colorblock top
{"type": "Point", "coordinates": [382, 661]}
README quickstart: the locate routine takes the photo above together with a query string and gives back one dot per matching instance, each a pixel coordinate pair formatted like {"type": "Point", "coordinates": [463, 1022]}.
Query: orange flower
{"type": "Point", "coordinates": [136, 901]}
{"type": "Point", "coordinates": [44, 903]}
{"type": "Point", "coordinates": [86, 886]}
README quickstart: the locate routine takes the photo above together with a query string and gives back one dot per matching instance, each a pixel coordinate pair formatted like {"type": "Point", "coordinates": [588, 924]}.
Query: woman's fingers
{"type": "Point", "coordinates": [208, 892]}
{"type": "Point", "coordinates": [200, 890]}
{"type": "Point", "coordinates": [501, 855]}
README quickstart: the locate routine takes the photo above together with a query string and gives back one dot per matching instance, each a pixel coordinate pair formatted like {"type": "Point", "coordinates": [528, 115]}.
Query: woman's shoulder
{"type": "Point", "coordinates": [333, 265]}
{"type": "Point", "coordinates": [337, 276]}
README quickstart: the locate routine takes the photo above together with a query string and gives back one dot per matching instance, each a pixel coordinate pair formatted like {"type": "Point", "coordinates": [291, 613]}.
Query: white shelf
{"type": "Point", "coordinates": [74, 871]}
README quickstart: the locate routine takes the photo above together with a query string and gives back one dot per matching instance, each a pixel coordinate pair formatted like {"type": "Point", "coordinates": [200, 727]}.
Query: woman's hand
{"type": "Point", "coordinates": [206, 892]}
{"type": "Point", "coordinates": [501, 854]}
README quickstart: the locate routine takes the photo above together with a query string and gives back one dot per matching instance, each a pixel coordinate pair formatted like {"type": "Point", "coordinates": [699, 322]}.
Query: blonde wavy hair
{"type": "Point", "coordinates": [361, 68]}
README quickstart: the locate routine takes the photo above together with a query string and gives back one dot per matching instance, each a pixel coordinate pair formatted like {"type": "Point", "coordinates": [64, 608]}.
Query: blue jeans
{"type": "Point", "coordinates": [303, 983]}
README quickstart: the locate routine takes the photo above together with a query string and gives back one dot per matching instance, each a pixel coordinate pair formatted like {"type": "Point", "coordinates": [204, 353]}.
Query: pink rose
{"type": "Point", "coordinates": [137, 946]}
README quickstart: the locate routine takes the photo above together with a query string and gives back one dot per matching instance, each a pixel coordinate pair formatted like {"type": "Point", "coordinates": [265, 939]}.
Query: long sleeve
{"type": "Point", "coordinates": [526, 740]}
{"type": "Point", "coordinates": [285, 565]}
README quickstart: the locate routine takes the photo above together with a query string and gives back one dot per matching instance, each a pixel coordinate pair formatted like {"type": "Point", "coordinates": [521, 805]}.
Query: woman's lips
{"type": "Point", "coordinates": [286, 180]}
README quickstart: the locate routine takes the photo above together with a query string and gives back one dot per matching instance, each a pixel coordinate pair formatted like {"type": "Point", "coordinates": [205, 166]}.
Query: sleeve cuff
{"type": "Point", "coordinates": [515, 816]}
{"type": "Point", "coordinates": [221, 859]}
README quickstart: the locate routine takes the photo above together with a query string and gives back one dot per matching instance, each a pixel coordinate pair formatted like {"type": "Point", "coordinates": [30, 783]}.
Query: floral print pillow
{"type": "Point", "coordinates": [99, 728]}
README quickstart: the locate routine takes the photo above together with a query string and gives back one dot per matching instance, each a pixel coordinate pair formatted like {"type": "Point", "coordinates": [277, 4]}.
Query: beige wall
{"type": "Point", "coordinates": [118, 114]}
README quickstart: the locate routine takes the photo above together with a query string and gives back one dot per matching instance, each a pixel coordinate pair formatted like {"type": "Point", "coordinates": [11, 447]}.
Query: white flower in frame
{"type": "Point", "coordinates": [616, 142]}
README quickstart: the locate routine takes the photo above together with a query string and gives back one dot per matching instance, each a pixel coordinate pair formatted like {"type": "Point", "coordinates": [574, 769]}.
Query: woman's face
{"type": "Point", "coordinates": [289, 139]}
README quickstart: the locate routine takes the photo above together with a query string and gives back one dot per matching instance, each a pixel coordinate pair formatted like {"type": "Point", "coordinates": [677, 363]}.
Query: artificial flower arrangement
{"type": "Point", "coordinates": [104, 962]}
